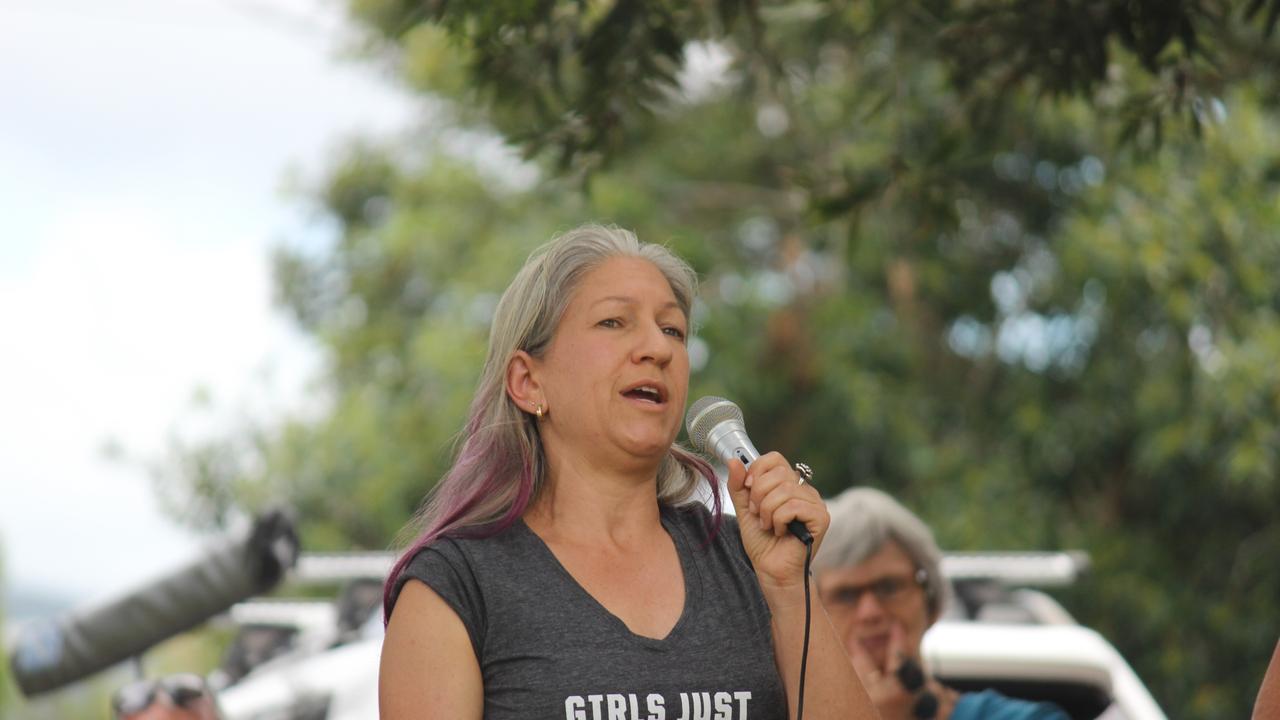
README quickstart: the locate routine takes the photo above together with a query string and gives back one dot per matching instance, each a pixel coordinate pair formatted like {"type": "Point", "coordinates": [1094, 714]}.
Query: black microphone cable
{"type": "Point", "coordinates": [716, 428]}
{"type": "Point", "coordinates": [808, 611]}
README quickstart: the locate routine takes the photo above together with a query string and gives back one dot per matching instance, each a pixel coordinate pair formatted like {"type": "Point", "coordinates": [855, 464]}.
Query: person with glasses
{"type": "Point", "coordinates": [879, 577]}
{"type": "Point", "coordinates": [183, 696]}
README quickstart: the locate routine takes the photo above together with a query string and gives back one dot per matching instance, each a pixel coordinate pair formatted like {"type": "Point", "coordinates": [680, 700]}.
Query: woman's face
{"type": "Point", "coordinates": [616, 374]}
{"type": "Point", "coordinates": [866, 600]}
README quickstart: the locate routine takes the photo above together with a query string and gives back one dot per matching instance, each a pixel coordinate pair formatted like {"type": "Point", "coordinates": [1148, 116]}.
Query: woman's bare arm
{"type": "Point", "coordinates": [429, 668]}
{"type": "Point", "coordinates": [772, 499]}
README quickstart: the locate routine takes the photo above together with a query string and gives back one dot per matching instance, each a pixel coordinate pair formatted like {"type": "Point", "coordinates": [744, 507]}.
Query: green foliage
{"type": "Point", "coordinates": [1016, 267]}
{"type": "Point", "coordinates": [586, 80]}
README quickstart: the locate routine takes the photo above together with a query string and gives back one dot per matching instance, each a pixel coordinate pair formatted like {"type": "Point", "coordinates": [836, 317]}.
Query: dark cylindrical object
{"type": "Point", "coordinates": [925, 707]}
{"type": "Point", "coordinates": [910, 675]}
{"type": "Point", "coordinates": [52, 653]}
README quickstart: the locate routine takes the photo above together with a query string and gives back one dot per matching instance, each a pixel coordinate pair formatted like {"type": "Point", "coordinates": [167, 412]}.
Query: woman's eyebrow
{"type": "Point", "coordinates": [628, 300]}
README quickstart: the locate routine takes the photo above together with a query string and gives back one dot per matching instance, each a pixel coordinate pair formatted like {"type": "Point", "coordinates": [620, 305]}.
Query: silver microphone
{"type": "Point", "coordinates": [716, 428]}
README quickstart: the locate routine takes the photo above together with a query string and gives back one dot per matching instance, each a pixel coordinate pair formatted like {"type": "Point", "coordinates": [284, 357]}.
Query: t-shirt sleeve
{"type": "Point", "coordinates": [702, 530]}
{"type": "Point", "coordinates": [731, 536]}
{"type": "Point", "coordinates": [447, 570]}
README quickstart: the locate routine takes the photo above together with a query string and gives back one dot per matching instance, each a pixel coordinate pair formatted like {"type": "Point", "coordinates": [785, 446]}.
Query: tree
{"type": "Point", "coordinates": [1015, 267]}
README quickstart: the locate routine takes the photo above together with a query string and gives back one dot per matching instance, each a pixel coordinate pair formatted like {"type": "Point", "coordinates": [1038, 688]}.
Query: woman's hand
{"type": "Point", "coordinates": [893, 700]}
{"type": "Point", "coordinates": [767, 497]}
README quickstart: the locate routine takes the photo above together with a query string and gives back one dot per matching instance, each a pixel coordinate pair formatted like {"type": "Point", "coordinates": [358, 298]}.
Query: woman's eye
{"type": "Point", "coordinates": [674, 332]}
{"type": "Point", "coordinates": [846, 596]}
{"type": "Point", "coordinates": [610, 323]}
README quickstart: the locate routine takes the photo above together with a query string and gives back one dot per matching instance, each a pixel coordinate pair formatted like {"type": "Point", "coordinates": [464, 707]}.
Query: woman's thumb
{"type": "Point", "coordinates": [738, 491]}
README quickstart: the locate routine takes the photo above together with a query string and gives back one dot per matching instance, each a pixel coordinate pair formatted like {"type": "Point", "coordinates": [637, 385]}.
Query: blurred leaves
{"type": "Point", "coordinates": [583, 80]}
{"type": "Point", "coordinates": [1015, 263]}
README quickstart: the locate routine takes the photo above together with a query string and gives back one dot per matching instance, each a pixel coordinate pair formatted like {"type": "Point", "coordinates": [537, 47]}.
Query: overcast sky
{"type": "Point", "coordinates": [143, 147]}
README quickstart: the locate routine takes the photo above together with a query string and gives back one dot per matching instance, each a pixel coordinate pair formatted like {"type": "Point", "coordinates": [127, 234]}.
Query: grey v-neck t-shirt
{"type": "Point", "coordinates": [548, 649]}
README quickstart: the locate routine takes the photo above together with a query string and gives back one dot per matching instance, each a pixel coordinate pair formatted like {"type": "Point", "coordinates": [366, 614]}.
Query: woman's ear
{"type": "Point", "coordinates": [932, 612]}
{"type": "Point", "coordinates": [522, 383]}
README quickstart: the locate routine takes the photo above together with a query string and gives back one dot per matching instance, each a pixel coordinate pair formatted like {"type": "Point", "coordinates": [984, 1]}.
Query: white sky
{"type": "Point", "coordinates": [143, 145]}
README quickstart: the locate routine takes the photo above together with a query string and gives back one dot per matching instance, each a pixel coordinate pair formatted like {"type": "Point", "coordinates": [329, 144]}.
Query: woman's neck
{"type": "Point", "coordinates": [582, 503]}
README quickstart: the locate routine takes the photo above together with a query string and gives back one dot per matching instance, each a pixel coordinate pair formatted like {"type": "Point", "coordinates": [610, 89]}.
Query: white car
{"type": "Point", "coordinates": [304, 661]}
{"type": "Point", "coordinates": [999, 633]}
{"type": "Point", "coordinates": [1069, 665]}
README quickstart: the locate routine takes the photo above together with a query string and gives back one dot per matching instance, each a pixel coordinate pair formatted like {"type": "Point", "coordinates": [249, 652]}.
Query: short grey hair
{"type": "Point", "coordinates": [864, 519]}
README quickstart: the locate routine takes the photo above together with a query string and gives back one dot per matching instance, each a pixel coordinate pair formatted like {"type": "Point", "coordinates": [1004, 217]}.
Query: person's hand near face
{"type": "Point", "coordinates": [879, 608]}
{"type": "Point", "coordinates": [892, 698]}
{"type": "Point", "coordinates": [866, 600]}
{"type": "Point", "coordinates": [881, 583]}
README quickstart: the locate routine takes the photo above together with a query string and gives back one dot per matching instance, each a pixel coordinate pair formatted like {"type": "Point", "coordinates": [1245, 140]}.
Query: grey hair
{"type": "Point", "coordinates": [529, 312]}
{"type": "Point", "coordinates": [501, 467]}
{"type": "Point", "coordinates": [864, 519]}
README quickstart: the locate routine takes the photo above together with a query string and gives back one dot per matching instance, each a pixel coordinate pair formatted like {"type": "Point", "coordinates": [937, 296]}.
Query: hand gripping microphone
{"type": "Point", "coordinates": [716, 428]}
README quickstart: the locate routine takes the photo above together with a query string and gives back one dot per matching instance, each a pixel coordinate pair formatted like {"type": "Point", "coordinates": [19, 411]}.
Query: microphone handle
{"type": "Point", "coordinates": [747, 454]}
{"type": "Point", "coordinates": [801, 532]}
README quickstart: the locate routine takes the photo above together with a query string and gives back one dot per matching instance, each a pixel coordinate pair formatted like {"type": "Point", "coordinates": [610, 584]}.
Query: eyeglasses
{"type": "Point", "coordinates": [889, 590]}
{"type": "Point", "coordinates": [183, 689]}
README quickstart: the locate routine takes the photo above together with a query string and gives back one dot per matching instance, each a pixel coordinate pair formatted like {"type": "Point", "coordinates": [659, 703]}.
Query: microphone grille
{"type": "Point", "coordinates": [706, 413]}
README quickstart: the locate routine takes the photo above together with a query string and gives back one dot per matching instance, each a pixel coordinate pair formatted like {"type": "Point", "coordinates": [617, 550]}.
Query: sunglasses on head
{"type": "Point", "coordinates": [183, 690]}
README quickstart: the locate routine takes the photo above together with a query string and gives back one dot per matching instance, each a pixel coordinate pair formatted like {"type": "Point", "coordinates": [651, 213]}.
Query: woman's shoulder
{"type": "Point", "coordinates": [469, 548]}
{"type": "Point", "coordinates": [464, 569]}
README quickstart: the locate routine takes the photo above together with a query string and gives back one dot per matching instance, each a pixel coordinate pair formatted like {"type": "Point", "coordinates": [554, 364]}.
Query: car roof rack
{"type": "Point", "coordinates": [316, 568]}
{"type": "Point", "coordinates": [1022, 568]}
{"type": "Point", "coordinates": [1034, 569]}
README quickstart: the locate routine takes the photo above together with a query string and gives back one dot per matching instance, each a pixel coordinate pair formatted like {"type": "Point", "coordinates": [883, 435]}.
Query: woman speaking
{"type": "Point", "coordinates": [566, 568]}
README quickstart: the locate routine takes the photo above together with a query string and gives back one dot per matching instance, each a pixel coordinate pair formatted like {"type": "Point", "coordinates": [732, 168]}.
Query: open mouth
{"type": "Point", "coordinates": [875, 644]}
{"type": "Point", "coordinates": [646, 393]}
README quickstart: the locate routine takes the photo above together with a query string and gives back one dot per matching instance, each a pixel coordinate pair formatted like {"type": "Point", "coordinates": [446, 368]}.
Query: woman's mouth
{"type": "Point", "coordinates": [650, 393]}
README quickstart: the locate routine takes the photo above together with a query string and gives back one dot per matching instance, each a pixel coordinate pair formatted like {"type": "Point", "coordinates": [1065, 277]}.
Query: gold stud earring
{"type": "Point", "coordinates": [538, 410]}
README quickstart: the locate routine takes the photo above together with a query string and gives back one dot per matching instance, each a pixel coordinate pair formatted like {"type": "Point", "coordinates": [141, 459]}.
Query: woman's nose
{"type": "Point", "coordinates": [654, 345]}
{"type": "Point", "coordinates": [868, 606]}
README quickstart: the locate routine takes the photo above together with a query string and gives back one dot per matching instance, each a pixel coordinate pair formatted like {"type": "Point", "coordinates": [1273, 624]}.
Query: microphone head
{"type": "Point", "coordinates": [705, 414]}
